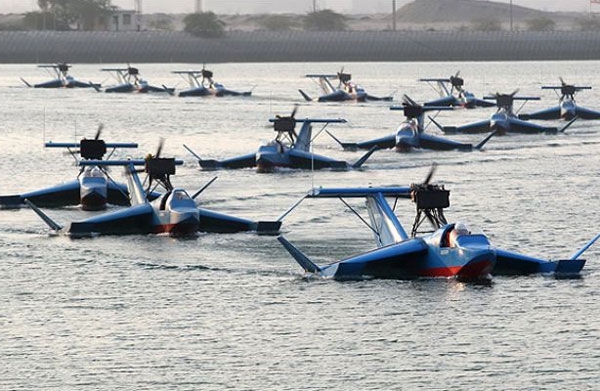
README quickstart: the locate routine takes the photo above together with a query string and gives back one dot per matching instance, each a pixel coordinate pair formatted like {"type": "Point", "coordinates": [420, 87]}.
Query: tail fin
{"type": "Point", "coordinates": [345, 146]}
{"type": "Point", "coordinates": [305, 96]}
{"type": "Point", "coordinates": [485, 140]}
{"type": "Point", "coordinates": [363, 159]}
{"type": "Point", "coordinates": [566, 268]}
{"type": "Point", "coordinates": [440, 127]}
{"type": "Point", "coordinates": [51, 223]}
{"type": "Point", "coordinates": [268, 227]}
{"type": "Point", "coordinates": [302, 259]}
{"type": "Point", "coordinates": [170, 91]}
{"type": "Point", "coordinates": [568, 124]}
{"type": "Point", "coordinates": [192, 152]}
{"type": "Point", "coordinates": [584, 248]}
{"type": "Point", "coordinates": [95, 86]}
{"type": "Point", "coordinates": [25, 81]}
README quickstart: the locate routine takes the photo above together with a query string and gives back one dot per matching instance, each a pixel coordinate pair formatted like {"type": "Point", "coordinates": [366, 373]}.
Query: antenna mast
{"type": "Point", "coordinates": [138, 13]}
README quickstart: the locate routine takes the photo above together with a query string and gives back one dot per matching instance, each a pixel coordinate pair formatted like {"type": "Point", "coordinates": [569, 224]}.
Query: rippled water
{"type": "Point", "coordinates": [234, 311]}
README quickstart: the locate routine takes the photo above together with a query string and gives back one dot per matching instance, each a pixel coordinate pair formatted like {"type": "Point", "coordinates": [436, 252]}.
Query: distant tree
{"type": "Point", "coordinates": [540, 24]}
{"type": "Point", "coordinates": [487, 25]}
{"type": "Point", "coordinates": [163, 23]}
{"type": "Point", "coordinates": [588, 24]}
{"type": "Point", "coordinates": [88, 14]}
{"type": "Point", "coordinates": [204, 24]}
{"type": "Point", "coordinates": [13, 25]}
{"type": "Point", "coordinates": [325, 20]}
{"type": "Point", "coordinates": [43, 21]}
{"type": "Point", "coordinates": [277, 22]}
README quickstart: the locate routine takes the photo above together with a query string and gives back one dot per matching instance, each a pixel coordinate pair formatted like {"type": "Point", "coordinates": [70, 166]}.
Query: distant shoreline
{"type": "Point", "coordinates": [296, 46]}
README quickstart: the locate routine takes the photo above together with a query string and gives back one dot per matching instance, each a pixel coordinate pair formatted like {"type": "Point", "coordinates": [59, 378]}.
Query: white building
{"type": "Point", "coordinates": [124, 20]}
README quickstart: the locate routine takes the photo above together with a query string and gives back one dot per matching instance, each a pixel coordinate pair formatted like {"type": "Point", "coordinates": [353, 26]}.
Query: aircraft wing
{"type": "Point", "coordinates": [383, 142]}
{"type": "Point", "coordinates": [137, 219]}
{"type": "Point", "coordinates": [222, 223]}
{"type": "Point", "coordinates": [520, 126]}
{"type": "Point", "coordinates": [155, 89]}
{"type": "Point", "coordinates": [400, 260]}
{"type": "Point", "coordinates": [336, 96]}
{"type": "Point", "coordinates": [379, 98]}
{"type": "Point", "coordinates": [445, 101]}
{"type": "Point", "coordinates": [244, 161]}
{"type": "Point", "coordinates": [80, 84]}
{"type": "Point", "coordinates": [510, 263]}
{"type": "Point", "coordinates": [118, 194]}
{"type": "Point", "coordinates": [227, 92]}
{"type": "Point", "coordinates": [584, 113]}
{"type": "Point", "coordinates": [307, 160]}
{"type": "Point", "coordinates": [428, 141]}
{"type": "Point", "coordinates": [56, 83]}
{"type": "Point", "coordinates": [551, 113]}
{"type": "Point", "coordinates": [52, 197]}
{"type": "Point", "coordinates": [472, 128]}
{"type": "Point", "coordinates": [483, 102]}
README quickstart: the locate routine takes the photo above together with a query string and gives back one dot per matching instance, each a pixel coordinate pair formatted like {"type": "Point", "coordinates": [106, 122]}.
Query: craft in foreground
{"type": "Point", "coordinates": [345, 90]}
{"type": "Point", "coordinates": [288, 150]}
{"type": "Point", "coordinates": [504, 120]}
{"type": "Point", "coordinates": [93, 189]}
{"type": "Point", "coordinates": [567, 107]}
{"type": "Point", "coordinates": [450, 251]}
{"type": "Point", "coordinates": [175, 212]}
{"type": "Point", "coordinates": [411, 133]}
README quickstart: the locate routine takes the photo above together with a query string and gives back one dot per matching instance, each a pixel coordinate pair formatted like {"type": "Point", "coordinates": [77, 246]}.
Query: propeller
{"type": "Point", "coordinates": [287, 123]}
{"type": "Point", "coordinates": [411, 108]}
{"type": "Point", "coordinates": [99, 131]}
{"type": "Point", "coordinates": [430, 201]}
{"type": "Point", "coordinates": [456, 81]}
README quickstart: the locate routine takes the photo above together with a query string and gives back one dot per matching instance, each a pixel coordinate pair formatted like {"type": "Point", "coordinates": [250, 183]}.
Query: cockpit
{"type": "Point", "coordinates": [177, 198]}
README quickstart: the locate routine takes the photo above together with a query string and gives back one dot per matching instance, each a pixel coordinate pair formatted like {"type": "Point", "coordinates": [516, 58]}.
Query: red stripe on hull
{"type": "Point", "coordinates": [181, 229]}
{"type": "Point", "coordinates": [473, 270]}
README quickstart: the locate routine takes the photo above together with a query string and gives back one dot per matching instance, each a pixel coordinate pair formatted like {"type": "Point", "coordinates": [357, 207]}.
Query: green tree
{"type": "Point", "coordinates": [88, 14]}
{"type": "Point", "coordinates": [277, 22]}
{"type": "Point", "coordinates": [325, 20]}
{"type": "Point", "coordinates": [588, 24]}
{"type": "Point", "coordinates": [164, 23]}
{"type": "Point", "coordinates": [540, 24]}
{"type": "Point", "coordinates": [204, 24]}
{"type": "Point", "coordinates": [487, 25]}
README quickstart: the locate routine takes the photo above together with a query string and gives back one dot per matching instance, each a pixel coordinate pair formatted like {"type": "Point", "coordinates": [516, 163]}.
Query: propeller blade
{"type": "Point", "coordinates": [407, 101]}
{"type": "Point", "coordinates": [196, 194]}
{"type": "Point", "coordinates": [99, 131]}
{"type": "Point", "coordinates": [430, 174]}
{"type": "Point", "coordinates": [562, 81]}
{"type": "Point", "coordinates": [294, 111]}
{"type": "Point", "coordinates": [161, 143]}
{"type": "Point", "coordinates": [514, 92]}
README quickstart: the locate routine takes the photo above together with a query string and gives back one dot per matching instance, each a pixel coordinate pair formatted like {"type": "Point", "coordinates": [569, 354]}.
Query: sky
{"type": "Point", "coordinates": [293, 6]}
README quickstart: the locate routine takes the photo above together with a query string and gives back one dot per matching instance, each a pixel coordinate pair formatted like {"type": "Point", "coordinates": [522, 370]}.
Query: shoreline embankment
{"type": "Point", "coordinates": [296, 46]}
